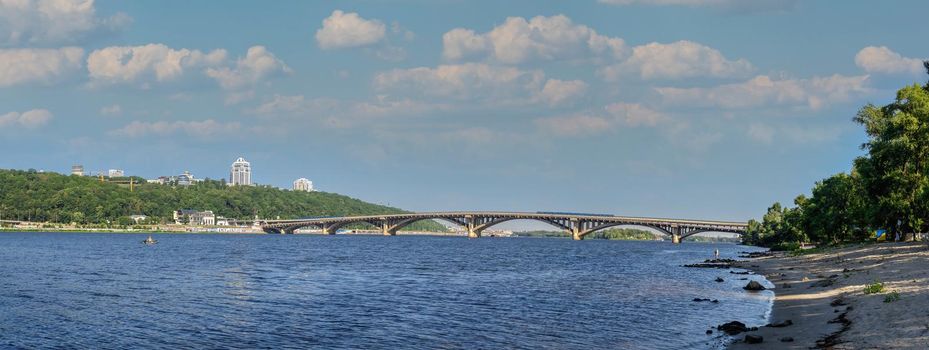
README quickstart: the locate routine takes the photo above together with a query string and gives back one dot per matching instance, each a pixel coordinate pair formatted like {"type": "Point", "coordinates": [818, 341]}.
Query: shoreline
{"type": "Point", "coordinates": [822, 295]}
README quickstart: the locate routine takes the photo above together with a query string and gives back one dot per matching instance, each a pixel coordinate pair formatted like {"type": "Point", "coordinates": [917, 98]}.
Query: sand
{"type": "Point", "coordinates": [807, 287]}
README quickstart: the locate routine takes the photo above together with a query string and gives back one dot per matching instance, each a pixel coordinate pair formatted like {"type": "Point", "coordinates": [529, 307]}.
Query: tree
{"type": "Point", "coordinates": [836, 210]}
{"type": "Point", "coordinates": [894, 172]}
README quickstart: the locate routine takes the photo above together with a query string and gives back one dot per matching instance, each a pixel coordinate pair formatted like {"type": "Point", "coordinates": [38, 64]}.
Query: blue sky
{"type": "Point", "coordinates": [677, 108]}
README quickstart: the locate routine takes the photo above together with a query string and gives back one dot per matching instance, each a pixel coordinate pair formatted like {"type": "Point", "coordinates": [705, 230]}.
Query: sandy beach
{"type": "Point", "coordinates": [823, 296]}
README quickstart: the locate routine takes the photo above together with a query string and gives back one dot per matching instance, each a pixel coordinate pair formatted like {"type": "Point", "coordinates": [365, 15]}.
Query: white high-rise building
{"type": "Point", "coordinates": [303, 184]}
{"type": "Point", "coordinates": [241, 173]}
{"type": "Point", "coordinates": [77, 170]}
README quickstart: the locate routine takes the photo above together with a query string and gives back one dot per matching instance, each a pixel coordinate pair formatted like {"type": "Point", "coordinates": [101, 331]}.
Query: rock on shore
{"type": "Point", "coordinates": [826, 306]}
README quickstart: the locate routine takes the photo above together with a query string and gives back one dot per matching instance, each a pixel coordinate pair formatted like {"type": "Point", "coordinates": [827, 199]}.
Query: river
{"type": "Point", "coordinates": [109, 291]}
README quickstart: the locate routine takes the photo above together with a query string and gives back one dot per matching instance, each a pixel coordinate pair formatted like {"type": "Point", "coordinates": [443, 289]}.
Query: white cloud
{"type": "Point", "coordinates": [613, 116]}
{"type": "Point", "coordinates": [634, 114]}
{"type": "Point", "coordinates": [18, 66]}
{"type": "Point", "coordinates": [127, 64]}
{"type": "Point", "coordinates": [881, 59]}
{"type": "Point", "coordinates": [558, 92]}
{"type": "Point", "coordinates": [478, 82]}
{"type": "Point", "coordinates": [682, 59]}
{"type": "Point", "coordinates": [160, 63]}
{"type": "Point", "coordinates": [258, 64]}
{"type": "Point", "coordinates": [53, 21]}
{"type": "Point", "coordinates": [111, 110]}
{"type": "Point", "coordinates": [763, 91]}
{"type": "Point", "coordinates": [343, 30]}
{"type": "Point", "coordinates": [540, 38]}
{"type": "Point", "coordinates": [464, 82]}
{"type": "Point", "coordinates": [29, 119]}
{"type": "Point", "coordinates": [206, 128]}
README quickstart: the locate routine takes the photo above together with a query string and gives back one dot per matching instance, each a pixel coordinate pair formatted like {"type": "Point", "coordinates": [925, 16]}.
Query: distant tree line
{"type": "Point", "coordinates": [888, 188]}
{"type": "Point", "coordinates": [610, 233]}
{"type": "Point", "coordinates": [51, 197]}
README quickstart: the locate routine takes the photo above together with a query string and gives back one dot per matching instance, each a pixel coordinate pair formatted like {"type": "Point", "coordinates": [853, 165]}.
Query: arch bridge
{"type": "Point", "coordinates": [578, 225]}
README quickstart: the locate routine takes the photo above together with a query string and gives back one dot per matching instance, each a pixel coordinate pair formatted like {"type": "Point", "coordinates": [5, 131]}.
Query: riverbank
{"type": "Point", "coordinates": [823, 296]}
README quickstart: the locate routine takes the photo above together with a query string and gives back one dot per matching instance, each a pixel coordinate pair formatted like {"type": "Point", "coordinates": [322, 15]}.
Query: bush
{"type": "Point", "coordinates": [874, 288]}
{"type": "Point", "coordinates": [892, 297]}
{"type": "Point", "coordinates": [786, 246]}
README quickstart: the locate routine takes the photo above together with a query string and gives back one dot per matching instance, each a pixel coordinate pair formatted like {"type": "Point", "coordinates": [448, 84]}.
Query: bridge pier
{"type": "Point", "coordinates": [329, 229]}
{"type": "Point", "coordinates": [386, 229]}
{"type": "Point", "coordinates": [473, 232]}
{"type": "Point", "coordinates": [675, 234]}
{"type": "Point", "coordinates": [576, 227]}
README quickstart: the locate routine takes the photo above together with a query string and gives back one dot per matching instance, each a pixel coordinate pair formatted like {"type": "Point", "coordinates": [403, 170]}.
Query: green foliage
{"type": "Point", "coordinates": [786, 246]}
{"type": "Point", "coordinates": [874, 288]}
{"type": "Point", "coordinates": [622, 234]}
{"type": "Point", "coordinates": [887, 189]}
{"type": "Point", "coordinates": [892, 297]}
{"type": "Point", "coordinates": [51, 197]}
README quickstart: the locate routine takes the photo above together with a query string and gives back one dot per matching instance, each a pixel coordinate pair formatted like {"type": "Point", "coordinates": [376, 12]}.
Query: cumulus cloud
{"type": "Point", "coordinates": [763, 91]}
{"type": "Point", "coordinates": [464, 82]}
{"type": "Point", "coordinates": [205, 129]}
{"type": "Point", "coordinates": [29, 119]}
{"type": "Point", "coordinates": [874, 59]}
{"type": "Point", "coordinates": [558, 92]}
{"type": "Point", "coordinates": [53, 21]}
{"type": "Point", "coordinates": [540, 38]}
{"type": "Point", "coordinates": [613, 116]}
{"type": "Point", "coordinates": [19, 66]}
{"type": "Point", "coordinates": [258, 64]}
{"type": "Point", "coordinates": [479, 82]}
{"type": "Point", "coordinates": [344, 30]}
{"type": "Point", "coordinates": [160, 63]}
{"type": "Point", "coordinates": [634, 114]}
{"type": "Point", "coordinates": [682, 59]}
{"type": "Point", "coordinates": [127, 64]}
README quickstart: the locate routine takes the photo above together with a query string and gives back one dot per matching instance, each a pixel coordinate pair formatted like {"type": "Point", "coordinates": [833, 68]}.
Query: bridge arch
{"type": "Point", "coordinates": [601, 227]}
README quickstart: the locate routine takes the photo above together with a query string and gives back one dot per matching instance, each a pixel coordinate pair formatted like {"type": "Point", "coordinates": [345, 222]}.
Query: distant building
{"type": "Point", "coordinates": [115, 173]}
{"type": "Point", "coordinates": [222, 221]}
{"type": "Point", "coordinates": [138, 218]}
{"type": "Point", "coordinates": [194, 217]}
{"type": "Point", "coordinates": [303, 184]}
{"type": "Point", "coordinates": [185, 179]}
{"type": "Point", "coordinates": [241, 173]}
{"type": "Point", "coordinates": [77, 170]}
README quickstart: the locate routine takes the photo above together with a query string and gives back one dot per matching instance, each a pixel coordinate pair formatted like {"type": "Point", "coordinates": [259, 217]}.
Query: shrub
{"type": "Point", "coordinates": [892, 297]}
{"type": "Point", "coordinates": [874, 288]}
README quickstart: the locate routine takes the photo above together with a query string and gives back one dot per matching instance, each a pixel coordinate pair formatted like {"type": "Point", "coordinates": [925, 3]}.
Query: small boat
{"type": "Point", "coordinates": [149, 240]}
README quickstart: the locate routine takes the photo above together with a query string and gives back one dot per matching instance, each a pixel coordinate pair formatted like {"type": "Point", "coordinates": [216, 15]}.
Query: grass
{"type": "Point", "coordinates": [874, 288]}
{"type": "Point", "coordinates": [892, 297]}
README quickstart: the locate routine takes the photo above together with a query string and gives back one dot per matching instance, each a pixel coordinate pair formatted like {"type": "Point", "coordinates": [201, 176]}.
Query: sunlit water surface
{"type": "Point", "coordinates": [81, 290]}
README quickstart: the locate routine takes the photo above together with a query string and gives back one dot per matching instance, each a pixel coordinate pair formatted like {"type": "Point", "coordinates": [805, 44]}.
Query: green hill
{"type": "Point", "coordinates": [52, 197]}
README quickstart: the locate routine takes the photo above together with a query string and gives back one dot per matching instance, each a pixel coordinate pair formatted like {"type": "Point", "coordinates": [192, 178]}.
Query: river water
{"type": "Point", "coordinates": [109, 291]}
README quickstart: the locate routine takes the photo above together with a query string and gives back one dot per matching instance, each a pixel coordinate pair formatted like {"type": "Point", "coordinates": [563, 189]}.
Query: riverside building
{"type": "Point", "coordinates": [303, 184]}
{"type": "Point", "coordinates": [241, 173]}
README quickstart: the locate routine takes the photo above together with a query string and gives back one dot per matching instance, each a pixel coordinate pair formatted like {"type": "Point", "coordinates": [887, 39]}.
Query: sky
{"type": "Point", "coordinates": [703, 109]}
